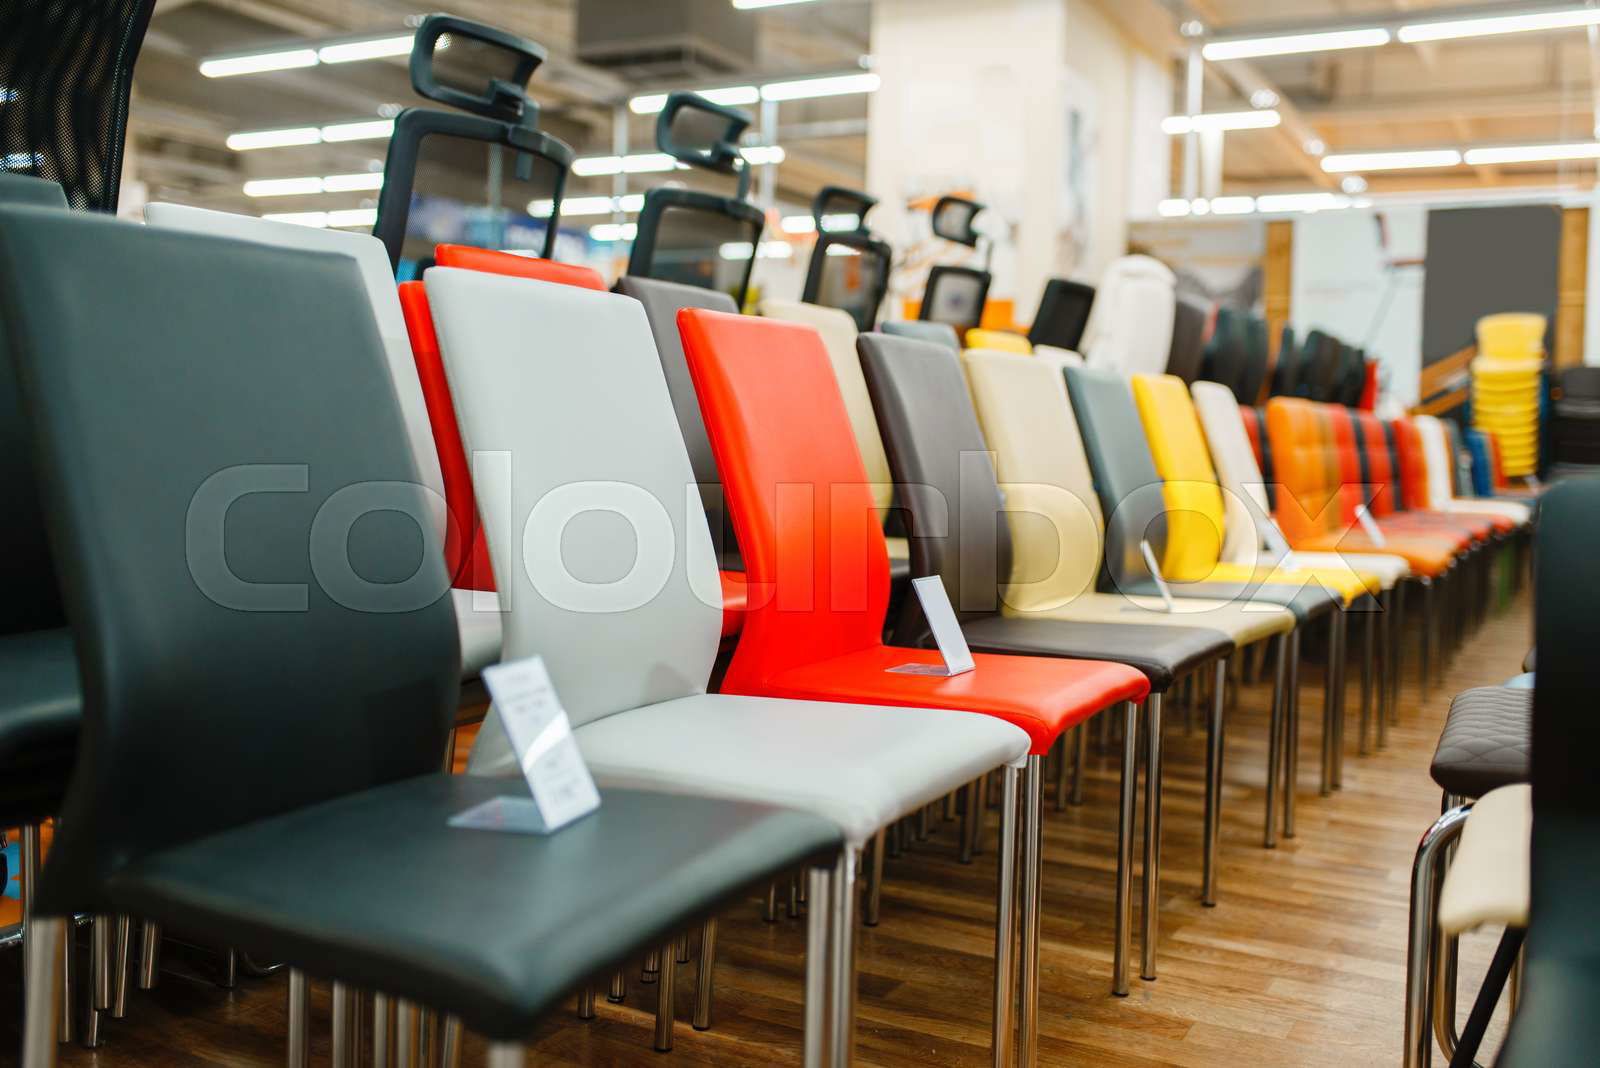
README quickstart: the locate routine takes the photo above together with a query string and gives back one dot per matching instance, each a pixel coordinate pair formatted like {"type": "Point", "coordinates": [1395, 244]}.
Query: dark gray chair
{"type": "Point", "coordinates": [1188, 339]}
{"type": "Point", "coordinates": [938, 333]}
{"type": "Point", "coordinates": [270, 662]}
{"type": "Point", "coordinates": [1062, 315]}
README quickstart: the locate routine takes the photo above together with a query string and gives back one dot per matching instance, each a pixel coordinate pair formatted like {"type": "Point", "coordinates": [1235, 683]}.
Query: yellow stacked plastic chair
{"type": "Point", "coordinates": [1505, 386]}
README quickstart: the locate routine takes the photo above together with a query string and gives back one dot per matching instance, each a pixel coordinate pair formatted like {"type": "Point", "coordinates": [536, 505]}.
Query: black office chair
{"type": "Point", "coordinates": [1227, 354]}
{"type": "Point", "coordinates": [1062, 315]}
{"type": "Point", "coordinates": [270, 663]}
{"type": "Point", "coordinates": [1575, 426]}
{"type": "Point", "coordinates": [1188, 339]}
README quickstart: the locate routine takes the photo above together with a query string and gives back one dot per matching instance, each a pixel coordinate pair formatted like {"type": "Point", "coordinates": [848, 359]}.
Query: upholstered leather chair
{"type": "Point", "coordinates": [1188, 338]}
{"type": "Point", "coordinates": [1063, 313]}
{"type": "Point", "coordinates": [205, 683]}
{"type": "Point", "coordinates": [813, 545]}
{"type": "Point", "coordinates": [938, 454]}
{"type": "Point", "coordinates": [939, 333]}
{"type": "Point", "coordinates": [1227, 352]}
{"type": "Point", "coordinates": [1130, 322]}
{"type": "Point", "coordinates": [477, 614]}
{"type": "Point", "coordinates": [1439, 455]}
{"type": "Point", "coordinates": [611, 579]}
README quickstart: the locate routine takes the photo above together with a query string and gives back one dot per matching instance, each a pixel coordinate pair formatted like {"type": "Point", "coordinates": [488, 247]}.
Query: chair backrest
{"type": "Point", "coordinates": [1194, 500]}
{"type": "Point", "coordinates": [262, 628]}
{"type": "Point", "coordinates": [1130, 324]}
{"type": "Point", "coordinates": [599, 543]}
{"type": "Point", "coordinates": [1245, 496]}
{"type": "Point", "coordinates": [1438, 461]}
{"type": "Point", "coordinates": [998, 341]}
{"type": "Point", "coordinates": [378, 285]}
{"type": "Point", "coordinates": [32, 600]}
{"type": "Point", "coordinates": [1053, 512]}
{"type": "Point", "coordinates": [1188, 338]}
{"type": "Point", "coordinates": [947, 481]}
{"type": "Point", "coordinates": [1349, 473]}
{"type": "Point", "coordinates": [1307, 504]}
{"type": "Point", "coordinates": [838, 332]}
{"type": "Point", "coordinates": [1062, 315]}
{"type": "Point", "coordinates": [662, 302]}
{"type": "Point", "coordinates": [1287, 373]}
{"type": "Point", "coordinates": [943, 333]}
{"type": "Point", "coordinates": [815, 559]}
{"type": "Point", "coordinates": [470, 258]}
{"type": "Point", "coordinates": [1124, 472]}
{"type": "Point", "coordinates": [1481, 466]}
{"type": "Point", "coordinates": [1412, 459]}
{"type": "Point", "coordinates": [1260, 364]}
{"type": "Point", "coordinates": [1378, 473]}
{"type": "Point", "coordinates": [955, 296]}
{"type": "Point", "coordinates": [1226, 352]}
{"type": "Point", "coordinates": [1255, 430]}
{"type": "Point", "coordinates": [1460, 461]}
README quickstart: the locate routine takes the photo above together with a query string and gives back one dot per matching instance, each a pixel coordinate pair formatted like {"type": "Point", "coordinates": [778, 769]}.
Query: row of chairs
{"type": "Point", "coordinates": [1320, 367]}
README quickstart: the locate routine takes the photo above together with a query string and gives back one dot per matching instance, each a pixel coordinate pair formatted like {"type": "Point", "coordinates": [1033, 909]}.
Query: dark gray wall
{"type": "Point", "coordinates": [1486, 260]}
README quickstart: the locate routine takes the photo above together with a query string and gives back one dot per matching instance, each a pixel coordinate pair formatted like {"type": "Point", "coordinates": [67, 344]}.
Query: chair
{"type": "Point", "coordinates": [1063, 313]}
{"type": "Point", "coordinates": [1291, 366]}
{"type": "Point", "coordinates": [302, 439]}
{"type": "Point", "coordinates": [800, 500]}
{"type": "Point", "coordinates": [1130, 323]}
{"type": "Point", "coordinates": [1226, 354]}
{"type": "Point", "coordinates": [939, 333]}
{"type": "Point", "coordinates": [1440, 457]}
{"type": "Point", "coordinates": [612, 580]}
{"type": "Point", "coordinates": [999, 341]}
{"type": "Point", "coordinates": [1188, 338]}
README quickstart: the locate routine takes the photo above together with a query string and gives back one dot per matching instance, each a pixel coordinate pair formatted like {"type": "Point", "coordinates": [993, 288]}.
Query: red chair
{"type": "Point", "coordinates": [815, 558]}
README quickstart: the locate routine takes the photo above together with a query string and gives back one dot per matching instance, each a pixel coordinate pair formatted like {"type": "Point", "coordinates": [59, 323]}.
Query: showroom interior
{"type": "Point", "coordinates": [818, 532]}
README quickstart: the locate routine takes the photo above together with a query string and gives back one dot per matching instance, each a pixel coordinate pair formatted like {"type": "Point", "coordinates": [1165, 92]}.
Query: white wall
{"type": "Point", "coordinates": [1343, 284]}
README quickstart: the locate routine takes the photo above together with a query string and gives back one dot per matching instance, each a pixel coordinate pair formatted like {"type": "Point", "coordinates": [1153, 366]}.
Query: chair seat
{"type": "Point", "coordinates": [1041, 695]}
{"type": "Point", "coordinates": [1505, 515]}
{"type": "Point", "coordinates": [1489, 881]}
{"type": "Point", "coordinates": [376, 890]}
{"type": "Point", "coordinates": [1427, 555]}
{"type": "Point", "coordinates": [1463, 529]}
{"type": "Point", "coordinates": [1486, 741]}
{"type": "Point", "coordinates": [1242, 622]}
{"type": "Point", "coordinates": [1307, 601]}
{"type": "Point", "coordinates": [858, 766]}
{"type": "Point", "coordinates": [1385, 569]}
{"type": "Point", "coordinates": [1343, 581]}
{"type": "Point", "coordinates": [1163, 653]}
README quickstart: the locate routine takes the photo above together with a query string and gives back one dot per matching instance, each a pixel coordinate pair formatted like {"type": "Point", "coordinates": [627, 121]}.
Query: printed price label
{"type": "Point", "coordinates": [946, 630]}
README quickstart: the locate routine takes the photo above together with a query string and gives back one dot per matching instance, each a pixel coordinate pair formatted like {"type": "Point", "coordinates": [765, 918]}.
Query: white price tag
{"type": "Point", "coordinates": [1155, 573]}
{"type": "Point", "coordinates": [541, 736]}
{"type": "Point", "coordinates": [1370, 526]}
{"type": "Point", "coordinates": [946, 630]}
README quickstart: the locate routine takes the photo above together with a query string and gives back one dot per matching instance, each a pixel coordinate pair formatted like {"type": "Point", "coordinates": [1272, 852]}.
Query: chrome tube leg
{"type": "Point", "coordinates": [703, 977]}
{"type": "Point", "coordinates": [100, 954]}
{"type": "Point", "coordinates": [41, 959]}
{"type": "Point", "coordinates": [666, 988]}
{"type": "Point", "coordinates": [1080, 747]}
{"type": "Point", "coordinates": [1385, 665]}
{"type": "Point", "coordinates": [982, 812]}
{"type": "Point", "coordinates": [1005, 932]}
{"type": "Point", "coordinates": [149, 955]}
{"type": "Point", "coordinates": [683, 949]}
{"type": "Point", "coordinates": [842, 960]}
{"type": "Point", "coordinates": [619, 988]}
{"type": "Point", "coordinates": [1213, 817]}
{"type": "Point", "coordinates": [299, 1055]}
{"type": "Point", "coordinates": [1339, 704]}
{"type": "Point", "coordinates": [874, 882]}
{"type": "Point", "coordinates": [507, 1055]}
{"type": "Point", "coordinates": [817, 970]}
{"type": "Point", "coordinates": [1124, 897]}
{"type": "Point", "coordinates": [381, 1021]}
{"type": "Point", "coordinates": [1423, 671]}
{"type": "Point", "coordinates": [1368, 650]}
{"type": "Point", "coordinates": [969, 821]}
{"type": "Point", "coordinates": [344, 1026]}
{"type": "Point", "coordinates": [1397, 647]}
{"type": "Point", "coordinates": [450, 1046]}
{"type": "Point", "coordinates": [405, 1034]}
{"type": "Point", "coordinates": [358, 1042]}
{"type": "Point", "coordinates": [769, 912]}
{"type": "Point", "coordinates": [586, 1002]}
{"type": "Point", "coordinates": [1032, 861]}
{"type": "Point", "coordinates": [428, 1037]}
{"type": "Point", "coordinates": [1330, 686]}
{"type": "Point", "coordinates": [652, 959]}
{"type": "Point", "coordinates": [1152, 838]}
{"type": "Point", "coordinates": [1275, 744]}
{"type": "Point", "coordinates": [1291, 736]}
{"type": "Point", "coordinates": [1063, 749]}
{"type": "Point", "coordinates": [1427, 872]}
{"type": "Point", "coordinates": [30, 876]}
{"type": "Point", "coordinates": [119, 967]}
{"type": "Point", "coordinates": [794, 897]}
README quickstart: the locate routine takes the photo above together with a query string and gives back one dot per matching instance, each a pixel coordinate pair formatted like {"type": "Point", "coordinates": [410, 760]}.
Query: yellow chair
{"type": "Point", "coordinates": [998, 341]}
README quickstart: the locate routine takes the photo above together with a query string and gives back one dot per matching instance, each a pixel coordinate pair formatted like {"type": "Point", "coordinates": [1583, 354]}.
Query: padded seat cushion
{"type": "Point", "coordinates": [1163, 653]}
{"type": "Point", "coordinates": [1242, 622]}
{"type": "Point", "coordinates": [858, 766]}
{"type": "Point", "coordinates": [495, 928]}
{"type": "Point", "coordinates": [1490, 875]}
{"type": "Point", "coordinates": [1486, 742]}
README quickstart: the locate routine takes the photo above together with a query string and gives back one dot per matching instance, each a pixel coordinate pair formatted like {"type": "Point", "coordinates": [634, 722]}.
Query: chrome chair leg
{"type": "Point", "coordinates": [652, 959]}
{"type": "Point", "coordinates": [769, 911]}
{"type": "Point", "coordinates": [1330, 698]}
{"type": "Point", "coordinates": [1424, 672]}
{"type": "Point", "coordinates": [1152, 838]}
{"type": "Point", "coordinates": [406, 1038]}
{"type": "Point", "coordinates": [586, 1002]}
{"type": "Point", "coordinates": [381, 1028]}
{"type": "Point", "coordinates": [1125, 816]}
{"type": "Point", "coordinates": [1397, 649]}
{"type": "Point", "coordinates": [42, 958]}
{"type": "Point", "coordinates": [1005, 934]}
{"type": "Point", "coordinates": [1368, 648]}
{"type": "Point", "coordinates": [666, 989]}
{"type": "Point", "coordinates": [842, 960]}
{"type": "Point", "coordinates": [123, 935]}
{"type": "Point", "coordinates": [1080, 747]}
{"type": "Point", "coordinates": [815, 1049]}
{"type": "Point", "coordinates": [507, 1055]}
{"type": "Point", "coordinates": [1291, 736]}
{"type": "Point", "coordinates": [97, 999]}
{"type": "Point", "coordinates": [619, 988]}
{"type": "Point", "coordinates": [1213, 810]}
{"type": "Point", "coordinates": [450, 1045]}
{"type": "Point", "coordinates": [1336, 768]}
{"type": "Point", "coordinates": [149, 955]}
{"type": "Point", "coordinates": [1427, 877]}
{"type": "Point", "coordinates": [1032, 846]}
{"type": "Point", "coordinates": [1062, 749]}
{"type": "Point", "coordinates": [794, 897]}
{"type": "Point", "coordinates": [683, 949]}
{"type": "Point", "coordinates": [345, 1025]}
{"type": "Point", "coordinates": [1275, 739]}
{"type": "Point", "coordinates": [970, 816]}
{"type": "Point", "coordinates": [299, 1055]}
{"type": "Point", "coordinates": [874, 882]}
{"type": "Point", "coordinates": [66, 1015]}
{"type": "Point", "coordinates": [704, 975]}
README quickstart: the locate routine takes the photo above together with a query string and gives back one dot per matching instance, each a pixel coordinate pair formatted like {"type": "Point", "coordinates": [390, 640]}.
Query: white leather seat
{"type": "Point", "coordinates": [1247, 516]}
{"type": "Point", "coordinates": [1064, 357]}
{"type": "Point", "coordinates": [627, 614]}
{"type": "Point", "coordinates": [1490, 877]}
{"type": "Point", "coordinates": [1130, 323]}
{"type": "Point", "coordinates": [1441, 491]}
{"type": "Point", "coordinates": [479, 627]}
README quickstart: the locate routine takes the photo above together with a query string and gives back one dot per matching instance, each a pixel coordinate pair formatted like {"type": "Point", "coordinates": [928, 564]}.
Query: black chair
{"type": "Point", "coordinates": [1062, 315]}
{"type": "Point", "coordinates": [1188, 339]}
{"type": "Point", "coordinates": [269, 660]}
{"type": "Point", "coordinates": [1227, 354]}
{"type": "Point", "coordinates": [1575, 426]}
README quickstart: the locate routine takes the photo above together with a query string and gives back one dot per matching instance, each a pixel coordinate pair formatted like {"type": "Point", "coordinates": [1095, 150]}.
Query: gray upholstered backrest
{"type": "Point", "coordinates": [923, 330]}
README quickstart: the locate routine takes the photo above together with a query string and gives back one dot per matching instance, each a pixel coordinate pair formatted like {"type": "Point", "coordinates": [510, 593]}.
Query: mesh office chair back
{"type": "Point", "coordinates": [65, 73]}
{"type": "Point", "coordinates": [849, 267]}
{"type": "Point", "coordinates": [1063, 313]}
{"type": "Point", "coordinates": [344, 666]}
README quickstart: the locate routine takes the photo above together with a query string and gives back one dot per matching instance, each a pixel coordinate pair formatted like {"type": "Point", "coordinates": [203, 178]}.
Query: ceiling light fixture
{"type": "Point", "coordinates": [754, 5]}
{"type": "Point", "coordinates": [810, 88]}
{"type": "Point", "coordinates": [333, 183]}
{"type": "Point", "coordinates": [377, 48]}
{"type": "Point", "coordinates": [1391, 161]}
{"type": "Point", "coordinates": [613, 231]}
{"type": "Point", "coordinates": [310, 54]}
{"type": "Point", "coordinates": [1232, 205]}
{"type": "Point", "coordinates": [732, 95]}
{"type": "Point", "coordinates": [580, 206]}
{"type": "Point", "coordinates": [1563, 19]}
{"type": "Point", "coordinates": [1278, 203]}
{"type": "Point", "coordinates": [640, 163]}
{"type": "Point", "coordinates": [1293, 44]}
{"type": "Point", "coordinates": [367, 130]}
{"type": "Point", "coordinates": [1221, 120]}
{"type": "Point", "coordinates": [1532, 153]}
{"type": "Point", "coordinates": [1175, 208]}
{"type": "Point", "coordinates": [299, 135]}
{"type": "Point", "coordinates": [260, 62]}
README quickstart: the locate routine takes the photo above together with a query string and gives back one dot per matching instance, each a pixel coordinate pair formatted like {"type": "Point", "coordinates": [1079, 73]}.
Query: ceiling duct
{"type": "Point", "coordinates": [666, 40]}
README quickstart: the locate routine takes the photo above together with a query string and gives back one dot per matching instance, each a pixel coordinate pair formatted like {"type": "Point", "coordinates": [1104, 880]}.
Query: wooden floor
{"type": "Point", "coordinates": [1301, 962]}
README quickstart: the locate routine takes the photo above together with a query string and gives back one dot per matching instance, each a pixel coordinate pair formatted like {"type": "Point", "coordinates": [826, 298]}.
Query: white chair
{"type": "Point", "coordinates": [1437, 452]}
{"type": "Point", "coordinates": [1130, 323]}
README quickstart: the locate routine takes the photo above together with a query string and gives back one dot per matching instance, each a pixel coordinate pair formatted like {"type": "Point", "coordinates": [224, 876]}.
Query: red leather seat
{"type": "Point", "coordinates": [814, 553]}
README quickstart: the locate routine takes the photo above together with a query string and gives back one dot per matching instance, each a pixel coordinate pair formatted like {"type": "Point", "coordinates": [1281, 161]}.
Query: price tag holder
{"type": "Point", "coordinates": [1155, 573]}
{"type": "Point", "coordinates": [1369, 525]}
{"type": "Point", "coordinates": [946, 630]}
{"type": "Point", "coordinates": [541, 736]}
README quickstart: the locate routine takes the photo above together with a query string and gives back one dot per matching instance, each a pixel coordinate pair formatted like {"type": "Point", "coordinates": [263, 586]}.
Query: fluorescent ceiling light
{"type": "Point", "coordinates": [377, 48]}
{"type": "Point", "coordinates": [299, 135]}
{"type": "Point", "coordinates": [353, 217]}
{"type": "Point", "coordinates": [1175, 208]}
{"type": "Point", "coordinates": [368, 130]}
{"type": "Point", "coordinates": [808, 88]}
{"type": "Point", "coordinates": [1291, 44]}
{"type": "Point", "coordinates": [767, 250]}
{"type": "Point", "coordinates": [1264, 119]}
{"type": "Point", "coordinates": [752, 5]}
{"type": "Point", "coordinates": [1232, 205]}
{"type": "Point", "coordinates": [1497, 24]}
{"type": "Point", "coordinates": [578, 206]}
{"type": "Point", "coordinates": [333, 183]}
{"type": "Point", "coordinates": [641, 163]}
{"type": "Point", "coordinates": [842, 250]}
{"type": "Point", "coordinates": [613, 231]}
{"type": "Point", "coordinates": [759, 154]}
{"type": "Point", "coordinates": [1390, 161]}
{"type": "Point", "coordinates": [1274, 203]}
{"type": "Point", "coordinates": [349, 183]}
{"type": "Point", "coordinates": [805, 224]}
{"type": "Point", "coordinates": [1533, 153]}
{"type": "Point", "coordinates": [732, 95]}
{"type": "Point", "coordinates": [318, 219]}
{"type": "Point", "coordinates": [287, 59]}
